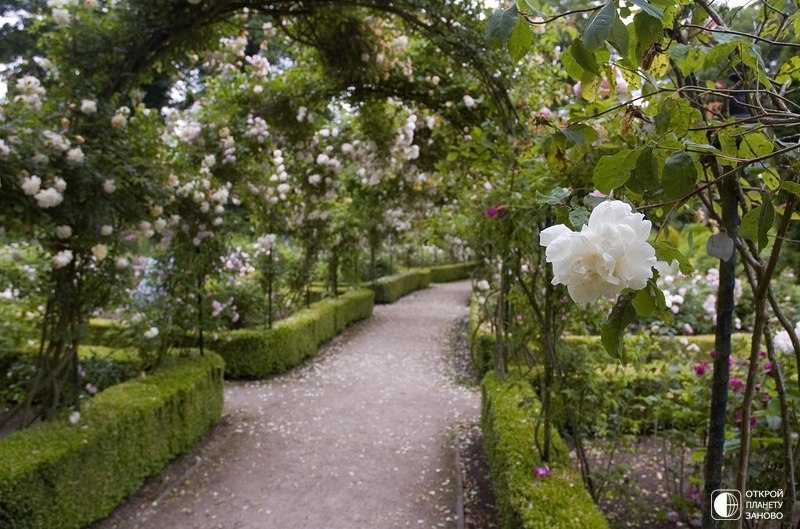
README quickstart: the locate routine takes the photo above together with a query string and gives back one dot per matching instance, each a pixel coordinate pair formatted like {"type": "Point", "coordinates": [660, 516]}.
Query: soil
{"type": "Point", "coordinates": [365, 435]}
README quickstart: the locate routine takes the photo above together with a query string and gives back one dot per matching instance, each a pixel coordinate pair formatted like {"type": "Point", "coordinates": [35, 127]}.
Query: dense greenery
{"type": "Point", "coordinates": [208, 166]}
{"type": "Point", "coordinates": [258, 352]}
{"type": "Point", "coordinates": [513, 440]}
{"type": "Point", "coordinates": [70, 473]}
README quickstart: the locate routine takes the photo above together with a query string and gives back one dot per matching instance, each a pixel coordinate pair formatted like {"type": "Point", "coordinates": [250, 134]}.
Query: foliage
{"type": "Point", "coordinates": [256, 353]}
{"type": "Point", "coordinates": [452, 272]}
{"type": "Point", "coordinates": [512, 440]}
{"type": "Point", "coordinates": [128, 433]}
{"type": "Point", "coordinates": [391, 288]}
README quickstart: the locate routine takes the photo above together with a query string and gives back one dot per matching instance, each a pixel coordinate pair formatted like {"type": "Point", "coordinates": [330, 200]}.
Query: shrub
{"type": "Point", "coordinates": [451, 272]}
{"type": "Point", "coordinates": [525, 501]}
{"type": "Point", "coordinates": [391, 288]}
{"type": "Point", "coordinates": [57, 474]}
{"type": "Point", "coordinates": [256, 353]}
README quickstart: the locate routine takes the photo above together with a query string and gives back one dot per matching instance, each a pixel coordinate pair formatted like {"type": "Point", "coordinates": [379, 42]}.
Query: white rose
{"type": "Point", "coordinates": [64, 231]}
{"type": "Point", "coordinates": [88, 106]}
{"type": "Point", "coordinates": [151, 333]}
{"type": "Point", "coordinates": [75, 155]}
{"type": "Point", "coordinates": [48, 198]}
{"type": "Point", "coordinates": [608, 255]}
{"type": "Point", "coordinates": [100, 251]}
{"type": "Point", "coordinates": [31, 185]}
{"type": "Point", "coordinates": [62, 258]}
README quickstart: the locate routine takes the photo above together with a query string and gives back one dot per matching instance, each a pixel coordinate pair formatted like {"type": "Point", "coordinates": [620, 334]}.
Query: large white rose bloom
{"type": "Point", "coordinates": [608, 255]}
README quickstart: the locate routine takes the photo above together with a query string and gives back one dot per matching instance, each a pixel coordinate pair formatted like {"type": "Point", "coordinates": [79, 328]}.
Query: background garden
{"type": "Point", "coordinates": [185, 176]}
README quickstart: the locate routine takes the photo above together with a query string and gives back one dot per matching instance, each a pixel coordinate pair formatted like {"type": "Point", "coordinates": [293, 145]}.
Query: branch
{"type": "Point", "coordinates": [742, 34]}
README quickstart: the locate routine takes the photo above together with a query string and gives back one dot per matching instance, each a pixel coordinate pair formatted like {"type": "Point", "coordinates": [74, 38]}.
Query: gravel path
{"type": "Point", "coordinates": [357, 438]}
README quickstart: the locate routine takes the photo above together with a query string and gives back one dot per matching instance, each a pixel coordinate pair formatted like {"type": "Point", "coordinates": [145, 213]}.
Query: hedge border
{"type": "Point", "coordinates": [524, 501]}
{"type": "Point", "coordinates": [257, 353]}
{"type": "Point", "coordinates": [57, 474]}
{"type": "Point", "coordinates": [389, 289]}
{"type": "Point", "coordinates": [452, 272]}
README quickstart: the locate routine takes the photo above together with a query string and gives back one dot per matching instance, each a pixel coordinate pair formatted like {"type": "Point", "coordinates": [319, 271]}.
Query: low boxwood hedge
{"type": "Point", "coordinates": [524, 501]}
{"type": "Point", "coordinates": [389, 289]}
{"type": "Point", "coordinates": [451, 272]}
{"type": "Point", "coordinates": [257, 353]}
{"type": "Point", "coordinates": [57, 474]}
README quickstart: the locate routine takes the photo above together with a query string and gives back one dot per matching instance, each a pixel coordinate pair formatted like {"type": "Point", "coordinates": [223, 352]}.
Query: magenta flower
{"type": "Point", "coordinates": [495, 211]}
{"type": "Point", "coordinates": [753, 421]}
{"type": "Point", "coordinates": [768, 366]}
{"type": "Point", "coordinates": [700, 369]}
{"type": "Point", "coordinates": [737, 384]}
{"type": "Point", "coordinates": [541, 472]}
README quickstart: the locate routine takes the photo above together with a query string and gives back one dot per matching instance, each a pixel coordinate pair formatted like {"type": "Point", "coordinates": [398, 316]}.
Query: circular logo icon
{"type": "Point", "coordinates": [726, 504]}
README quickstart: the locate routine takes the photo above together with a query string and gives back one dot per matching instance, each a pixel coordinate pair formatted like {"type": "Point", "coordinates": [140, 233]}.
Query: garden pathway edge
{"type": "Point", "coordinates": [358, 437]}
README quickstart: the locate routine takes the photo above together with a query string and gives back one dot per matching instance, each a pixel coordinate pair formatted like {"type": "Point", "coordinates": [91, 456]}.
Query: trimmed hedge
{"type": "Point", "coordinates": [61, 475]}
{"type": "Point", "coordinates": [523, 500]}
{"type": "Point", "coordinates": [452, 272]}
{"type": "Point", "coordinates": [391, 288]}
{"type": "Point", "coordinates": [256, 353]}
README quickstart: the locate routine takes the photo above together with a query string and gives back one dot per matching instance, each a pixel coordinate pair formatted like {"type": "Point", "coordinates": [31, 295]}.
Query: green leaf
{"type": "Point", "coordinates": [556, 197]}
{"type": "Point", "coordinates": [751, 56]}
{"type": "Point", "coordinates": [703, 147]}
{"type": "Point", "coordinates": [757, 223]}
{"type": "Point", "coordinates": [620, 38]}
{"type": "Point", "coordinates": [613, 171]}
{"type": "Point", "coordinates": [674, 115]}
{"type": "Point", "coordinates": [528, 6]}
{"type": "Point", "coordinates": [583, 58]}
{"type": "Point", "coordinates": [500, 25]}
{"type": "Point", "coordinates": [578, 134]}
{"type": "Point", "coordinates": [766, 220]}
{"type": "Point", "coordinates": [668, 252]}
{"type": "Point", "coordinates": [790, 70]}
{"type": "Point", "coordinates": [644, 303]}
{"type": "Point", "coordinates": [791, 187]}
{"type": "Point", "coordinates": [651, 302]}
{"type": "Point", "coordinates": [755, 145]}
{"type": "Point", "coordinates": [554, 151]}
{"type": "Point", "coordinates": [644, 176]}
{"type": "Point", "coordinates": [688, 58]}
{"type": "Point", "coordinates": [599, 27]}
{"type": "Point", "coordinates": [520, 40]}
{"type": "Point", "coordinates": [679, 175]}
{"type": "Point", "coordinates": [648, 31]}
{"type": "Point", "coordinates": [578, 217]}
{"type": "Point", "coordinates": [649, 8]}
{"type": "Point", "coordinates": [612, 332]}
{"type": "Point", "coordinates": [771, 178]}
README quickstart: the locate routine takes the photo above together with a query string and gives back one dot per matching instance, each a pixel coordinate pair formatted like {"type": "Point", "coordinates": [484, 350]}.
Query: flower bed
{"type": "Point", "coordinates": [256, 353]}
{"type": "Point", "coordinates": [64, 475]}
{"type": "Point", "coordinates": [529, 494]}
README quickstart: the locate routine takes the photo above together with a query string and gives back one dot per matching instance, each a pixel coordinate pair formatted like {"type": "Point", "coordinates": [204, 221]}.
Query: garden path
{"type": "Point", "coordinates": [357, 438]}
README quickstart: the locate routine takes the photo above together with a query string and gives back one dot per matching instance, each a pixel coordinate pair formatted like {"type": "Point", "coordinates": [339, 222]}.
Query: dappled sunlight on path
{"type": "Point", "coordinates": [357, 438]}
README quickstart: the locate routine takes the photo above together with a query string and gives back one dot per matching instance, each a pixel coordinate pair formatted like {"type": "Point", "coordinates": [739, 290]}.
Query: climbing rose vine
{"type": "Point", "coordinates": [608, 255]}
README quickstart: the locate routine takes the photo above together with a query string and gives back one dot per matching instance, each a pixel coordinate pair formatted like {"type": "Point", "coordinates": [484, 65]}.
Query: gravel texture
{"type": "Point", "coordinates": [362, 436]}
